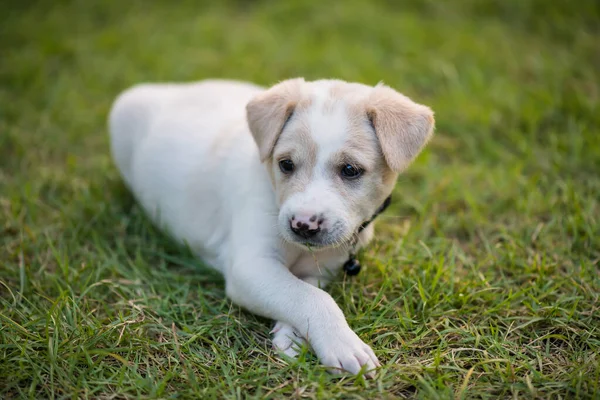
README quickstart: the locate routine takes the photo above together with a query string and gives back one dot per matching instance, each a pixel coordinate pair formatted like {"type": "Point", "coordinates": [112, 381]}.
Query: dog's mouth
{"type": "Point", "coordinates": [314, 246]}
{"type": "Point", "coordinates": [305, 243]}
{"type": "Point", "coordinates": [322, 243]}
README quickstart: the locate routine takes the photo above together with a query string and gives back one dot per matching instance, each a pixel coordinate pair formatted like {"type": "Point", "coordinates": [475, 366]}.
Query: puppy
{"type": "Point", "coordinates": [271, 187]}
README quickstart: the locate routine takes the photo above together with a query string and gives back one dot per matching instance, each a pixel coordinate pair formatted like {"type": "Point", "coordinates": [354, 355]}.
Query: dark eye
{"type": "Point", "coordinates": [286, 166]}
{"type": "Point", "coordinates": [351, 172]}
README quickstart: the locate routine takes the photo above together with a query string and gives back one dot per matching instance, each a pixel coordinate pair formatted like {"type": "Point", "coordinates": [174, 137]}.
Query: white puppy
{"type": "Point", "coordinates": [270, 187]}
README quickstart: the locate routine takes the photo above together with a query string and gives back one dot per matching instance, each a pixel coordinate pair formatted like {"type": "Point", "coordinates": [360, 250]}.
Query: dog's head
{"type": "Point", "coordinates": [334, 150]}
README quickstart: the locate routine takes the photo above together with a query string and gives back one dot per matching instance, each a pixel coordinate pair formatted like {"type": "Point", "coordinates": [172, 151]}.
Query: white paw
{"type": "Point", "coordinates": [287, 340]}
{"type": "Point", "coordinates": [342, 350]}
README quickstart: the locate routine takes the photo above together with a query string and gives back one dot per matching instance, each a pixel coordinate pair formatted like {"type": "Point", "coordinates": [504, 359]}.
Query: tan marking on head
{"type": "Point", "coordinates": [363, 140]}
{"type": "Point", "coordinates": [297, 144]}
{"type": "Point", "coordinates": [304, 103]}
{"type": "Point", "coordinates": [337, 92]}
{"type": "Point", "coordinates": [340, 89]}
{"type": "Point", "coordinates": [268, 111]}
{"type": "Point", "coordinates": [304, 137]}
{"type": "Point", "coordinates": [329, 105]}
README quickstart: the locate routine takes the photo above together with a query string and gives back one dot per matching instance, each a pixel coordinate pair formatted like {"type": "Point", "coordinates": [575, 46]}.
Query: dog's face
{"type": "Point", "coordinates": [334, 150]}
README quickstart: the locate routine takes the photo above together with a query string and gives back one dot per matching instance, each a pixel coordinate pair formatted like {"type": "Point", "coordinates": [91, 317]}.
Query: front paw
{"type": "Point", "coordinates": [342, 350]}
{"type": "Point", "coordinates": [287, 340]}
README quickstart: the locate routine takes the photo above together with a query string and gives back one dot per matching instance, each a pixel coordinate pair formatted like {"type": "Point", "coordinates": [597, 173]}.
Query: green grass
{"type": "Point", "coordinates": [484, 280]}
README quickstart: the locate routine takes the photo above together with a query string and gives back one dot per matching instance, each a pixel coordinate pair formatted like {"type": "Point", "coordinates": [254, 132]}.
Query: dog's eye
{"type": "Point", "coordinates": [351, 172]}
{"type": "Point", "coordinates": [286, 166]}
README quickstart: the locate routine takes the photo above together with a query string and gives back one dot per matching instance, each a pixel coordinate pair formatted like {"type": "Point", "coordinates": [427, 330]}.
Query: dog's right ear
{"type": "Point", "coordinates": [268, 112]}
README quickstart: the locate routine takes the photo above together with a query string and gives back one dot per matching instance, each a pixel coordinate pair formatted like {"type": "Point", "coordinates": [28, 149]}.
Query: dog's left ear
{"type": "Point", "coordinates": [402, 126]}
{"type": "Point", "coordinates": [268, 112]}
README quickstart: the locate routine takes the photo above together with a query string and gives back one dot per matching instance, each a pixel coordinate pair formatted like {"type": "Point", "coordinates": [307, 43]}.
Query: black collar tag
{"type": "Point", "coordinates": [352, 266]}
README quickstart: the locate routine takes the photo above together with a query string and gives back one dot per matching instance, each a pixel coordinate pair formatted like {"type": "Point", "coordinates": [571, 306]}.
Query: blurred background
{"type": "Point", "coordinates": [505, 197]}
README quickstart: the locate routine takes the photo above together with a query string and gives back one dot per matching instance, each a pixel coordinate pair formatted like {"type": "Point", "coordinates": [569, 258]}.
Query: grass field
{"type": "Point", "coordinates": [484, 279]}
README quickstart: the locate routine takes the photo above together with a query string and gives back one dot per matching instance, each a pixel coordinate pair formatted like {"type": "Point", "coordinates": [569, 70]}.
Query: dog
{"type": "Point", "coordinates": [272, 187]}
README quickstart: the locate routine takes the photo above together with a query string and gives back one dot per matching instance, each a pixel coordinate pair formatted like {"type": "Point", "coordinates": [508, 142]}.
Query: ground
{"type": "Point", "coordinates": [483, 280]}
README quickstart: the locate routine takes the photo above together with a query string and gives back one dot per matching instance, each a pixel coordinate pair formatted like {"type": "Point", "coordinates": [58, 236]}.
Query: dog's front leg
{"type": "Point", "coordinates": [269, 289]}
{"type": "Point", "coordinates": [286, 338]}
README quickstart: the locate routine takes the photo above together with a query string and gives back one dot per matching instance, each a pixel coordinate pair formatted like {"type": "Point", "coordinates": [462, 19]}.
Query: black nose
{"type": "Point", "coordinates": [303, 230]}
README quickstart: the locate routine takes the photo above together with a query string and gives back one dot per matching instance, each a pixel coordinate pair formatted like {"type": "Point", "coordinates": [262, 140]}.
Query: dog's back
{"type": "Point", "coordinates": [136, 111]}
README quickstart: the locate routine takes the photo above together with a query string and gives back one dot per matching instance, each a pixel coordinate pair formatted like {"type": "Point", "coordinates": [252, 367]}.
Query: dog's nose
{"type": "Point", "coordinates": [306, 226]}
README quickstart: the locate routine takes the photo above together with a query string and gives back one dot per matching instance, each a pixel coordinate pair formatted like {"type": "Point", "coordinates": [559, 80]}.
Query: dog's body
{"type": "Point", "coordinates": [194, 155]}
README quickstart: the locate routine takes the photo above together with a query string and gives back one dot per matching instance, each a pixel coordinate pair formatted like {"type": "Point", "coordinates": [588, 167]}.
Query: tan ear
{"type": "Point", "coordinates": [268, 112]}
{"type": "Point", "coordinates": [402, 126]}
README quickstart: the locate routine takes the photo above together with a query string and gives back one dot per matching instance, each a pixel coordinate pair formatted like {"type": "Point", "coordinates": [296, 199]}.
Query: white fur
{"type": "Point", "coordinates": [186, 152]}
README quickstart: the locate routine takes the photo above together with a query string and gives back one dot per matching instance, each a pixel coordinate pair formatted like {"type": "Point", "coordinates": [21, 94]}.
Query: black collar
{"type": "Point", "coordinates": [352, 266]}
{"type": "Point", "coordinates": [386, 204]}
